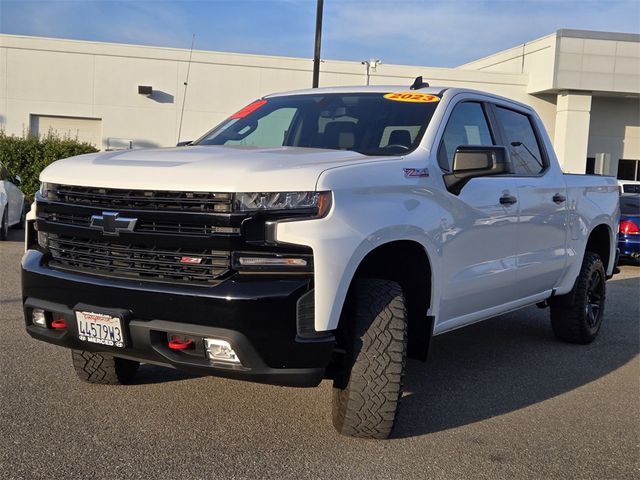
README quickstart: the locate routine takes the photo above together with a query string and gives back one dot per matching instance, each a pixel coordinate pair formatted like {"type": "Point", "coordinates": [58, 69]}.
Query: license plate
{"type": "Point", "coordinates": [100, 328]}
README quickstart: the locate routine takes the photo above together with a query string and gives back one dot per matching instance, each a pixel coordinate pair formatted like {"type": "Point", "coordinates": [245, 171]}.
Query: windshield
{"type": "Point", "coordinates": [368, 123]}
{"type": "Point", "coordinates": [630, 204]}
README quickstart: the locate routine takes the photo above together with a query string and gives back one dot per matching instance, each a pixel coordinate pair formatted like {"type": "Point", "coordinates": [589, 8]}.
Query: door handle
{"type": "Point", "coordinates": [559, 198]}
{"type": "Point", "coordinates": [507, 199]}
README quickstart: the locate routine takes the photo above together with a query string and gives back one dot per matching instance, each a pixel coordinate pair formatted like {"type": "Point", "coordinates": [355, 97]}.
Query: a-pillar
{"type": "Point", "coordinates": [571, 139]}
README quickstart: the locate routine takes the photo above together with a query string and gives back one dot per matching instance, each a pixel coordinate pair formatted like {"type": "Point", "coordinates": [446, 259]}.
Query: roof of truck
{"type": "Point", "coordinates": [436, 90]}
{"type": "Point", "coordinates": [362, 89]}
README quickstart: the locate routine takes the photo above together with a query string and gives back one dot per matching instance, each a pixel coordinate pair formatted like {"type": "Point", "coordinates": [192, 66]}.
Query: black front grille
{"type": "Point", "coordinates": [178, 237]}
{"type": "Point", "coordinates": [138, 261]}
{"type": "Point", "coordinates": [142, 199]}
{"type": "Point", "coordinates": [199, 229]}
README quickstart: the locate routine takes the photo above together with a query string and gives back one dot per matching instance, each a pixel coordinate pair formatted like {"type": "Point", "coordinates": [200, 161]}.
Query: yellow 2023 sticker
{"type": "Point", "coordinates": [412, 97]}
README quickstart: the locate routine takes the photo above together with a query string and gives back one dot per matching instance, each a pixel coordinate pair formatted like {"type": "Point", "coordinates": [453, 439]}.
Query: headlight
{"type": "Point", "coordinates": [47, 189]}
{"type": "Point", "coordinates": [250, 202]}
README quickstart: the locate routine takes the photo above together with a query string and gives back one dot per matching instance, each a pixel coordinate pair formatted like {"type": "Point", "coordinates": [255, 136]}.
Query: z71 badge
{"type": "Point", "coordinates": [416, 172]}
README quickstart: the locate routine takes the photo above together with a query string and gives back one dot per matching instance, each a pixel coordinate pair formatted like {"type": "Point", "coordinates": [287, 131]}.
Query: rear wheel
{"type": "Point", "coordinates": [367, 393]}
{"type": "Point", "coordinates": [103, 368]}
{"type": "Point", "coordinates": [4, 224]}
{"type": "Point", "coordinates": [577, 316]}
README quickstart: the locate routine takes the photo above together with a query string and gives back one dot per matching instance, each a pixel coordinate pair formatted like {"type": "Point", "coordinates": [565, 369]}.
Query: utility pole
{"type": "Point", "coordinates": [316, 55]}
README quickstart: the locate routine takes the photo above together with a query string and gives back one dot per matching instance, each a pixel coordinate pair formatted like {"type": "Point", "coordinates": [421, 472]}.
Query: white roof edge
{"type": "Point", "coordinates": [181, 50]}
{"type": "Point", "coordinates": [361, 89]}
{"type": "Point", "coordinates": [564, 32]}
{"type": "Point", "coordinates": [502, 52]}
{"type": "Point", "coordinates": [599, 35]}
{"type": "Point", "coordinates": [182, 54]}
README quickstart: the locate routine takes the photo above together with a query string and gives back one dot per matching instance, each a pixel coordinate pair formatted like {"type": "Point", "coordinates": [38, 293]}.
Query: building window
{"type": "Point", "coordinates": [591, 166]}
{"type": "Point", "coordinates": [628, 169]}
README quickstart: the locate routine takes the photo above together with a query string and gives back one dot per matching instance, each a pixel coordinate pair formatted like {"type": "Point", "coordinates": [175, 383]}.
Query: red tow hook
{"type": "Point", "coordinates": [59, 323]}
{"type": "Point", "coordinates": [177, 344]}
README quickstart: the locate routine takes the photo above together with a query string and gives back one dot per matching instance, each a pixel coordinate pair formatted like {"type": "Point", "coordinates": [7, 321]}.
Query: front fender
{"type": "Point", "coordinates": [337, 257]}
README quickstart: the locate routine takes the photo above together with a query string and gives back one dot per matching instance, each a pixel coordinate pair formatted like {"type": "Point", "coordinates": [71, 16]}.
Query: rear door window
{"type": "Point", "coordinates": [522, 142]}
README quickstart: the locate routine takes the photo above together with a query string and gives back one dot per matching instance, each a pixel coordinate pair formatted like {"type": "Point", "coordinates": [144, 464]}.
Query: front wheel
{"type": "Point", "coordinates": [577, 316]}
{"type": "Point", "coordinates": [367, 394]}
{"type": "Point", "coordinates": [103, 368]}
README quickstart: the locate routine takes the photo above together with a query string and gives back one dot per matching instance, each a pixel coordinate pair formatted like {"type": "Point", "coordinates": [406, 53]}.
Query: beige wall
{"type": "Point", "coordinates": [602, 65]}
{"type": "Point", "coordinates": [55, 77]}
{"type": "Point", "coordinates": [615, 128]}
{"type": "Point", "coordinates": [535, 58]}
{"type": "Point", "coordinates": [91, 80]}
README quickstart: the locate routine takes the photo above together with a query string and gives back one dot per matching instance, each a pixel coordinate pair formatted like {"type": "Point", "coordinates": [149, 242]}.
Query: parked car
{"type": "Point", "coordinates": [325, 233]}
{"type": "Point", "coordinates": [11, 202]}
{"type": "Point", "coordinates": [627, 186]}
{"type": "Point", "coordinates": [629, 231]}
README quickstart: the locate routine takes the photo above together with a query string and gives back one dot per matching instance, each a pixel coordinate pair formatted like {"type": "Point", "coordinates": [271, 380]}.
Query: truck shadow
{"type": "Point", "coordinates": [16, 235]}
{"type": "Point", "coordinates": [149, 374]}
{"type": "Point", "coordinates": [510, 362]}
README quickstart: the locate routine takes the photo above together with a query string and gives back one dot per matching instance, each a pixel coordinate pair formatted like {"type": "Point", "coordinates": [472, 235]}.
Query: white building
{"type": "Point", "coordinates": [585, 85]}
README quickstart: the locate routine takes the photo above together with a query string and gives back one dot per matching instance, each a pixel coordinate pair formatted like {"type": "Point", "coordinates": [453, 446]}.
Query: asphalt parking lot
{"type": "Point", "coordinates": [498, 400]}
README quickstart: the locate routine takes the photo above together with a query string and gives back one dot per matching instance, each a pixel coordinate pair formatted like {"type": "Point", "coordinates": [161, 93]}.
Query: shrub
{"type": "Point", "coordinates": [28, 155]}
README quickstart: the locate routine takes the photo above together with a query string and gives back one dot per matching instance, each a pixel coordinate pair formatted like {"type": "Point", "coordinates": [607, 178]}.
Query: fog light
{"type": "Point", "coordinates": [39, 318]}
{"type": "Point", "coordinates": [220, 350]}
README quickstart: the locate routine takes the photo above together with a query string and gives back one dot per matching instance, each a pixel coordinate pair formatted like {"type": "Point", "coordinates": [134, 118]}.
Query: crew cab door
{"type": "Point", "coordinates": [542, 253]}
{"type": "Point", "coordinates": [479, 239]}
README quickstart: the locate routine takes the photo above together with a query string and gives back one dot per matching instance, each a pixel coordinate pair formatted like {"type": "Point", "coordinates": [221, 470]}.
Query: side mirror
{"type": "Point", "coordinates": [184, 143]}
{"type": "Point", "coordinates": [476, 161]}
{"type": "Point", "coordinates": [17, 180]}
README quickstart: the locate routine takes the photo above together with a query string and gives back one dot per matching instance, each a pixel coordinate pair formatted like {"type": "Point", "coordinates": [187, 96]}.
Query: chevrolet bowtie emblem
{"type": "Point", "coordinates": [111, 223]}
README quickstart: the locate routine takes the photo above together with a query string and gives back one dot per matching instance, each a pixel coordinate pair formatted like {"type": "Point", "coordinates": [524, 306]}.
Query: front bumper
{"type": "Point", "coordinates": [259, 316]}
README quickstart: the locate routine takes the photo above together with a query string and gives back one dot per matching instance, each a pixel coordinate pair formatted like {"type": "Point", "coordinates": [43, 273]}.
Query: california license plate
{"type": "Point", "coordinates": [100, 328]}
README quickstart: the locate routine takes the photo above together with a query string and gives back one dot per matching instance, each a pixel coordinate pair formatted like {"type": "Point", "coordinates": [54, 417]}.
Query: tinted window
{"type": "Point", "coordinates": [467, 125]}
{"type": "Point", "coordinates": [628, 169]}
{"type": "Point", "coordinates": [367, 123]}
{"type": "Point", "coordinates": [630, 204]}
{"type": "Point", "coordinates": [521, 141]}
{"type": "Point", "coordinates": [269, 131]}
{"type": "Point", "coordinates": [4, 174]}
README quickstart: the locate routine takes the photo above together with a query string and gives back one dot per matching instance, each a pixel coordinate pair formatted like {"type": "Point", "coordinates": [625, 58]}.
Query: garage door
{"type": "Point", "coordinates": [84, 129]}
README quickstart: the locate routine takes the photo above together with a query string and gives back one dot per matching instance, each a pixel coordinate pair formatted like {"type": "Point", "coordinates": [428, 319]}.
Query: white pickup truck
{"type": "Point", "coordinates": [325, 233]}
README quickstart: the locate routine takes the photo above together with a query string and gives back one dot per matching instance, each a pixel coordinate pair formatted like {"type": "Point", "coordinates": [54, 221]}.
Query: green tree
{"type": "Point", "coordinates": [28, 155]}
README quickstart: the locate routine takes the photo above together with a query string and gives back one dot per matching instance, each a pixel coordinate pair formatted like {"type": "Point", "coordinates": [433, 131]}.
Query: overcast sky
{"type": "Point", "coordinates": [416, 32]}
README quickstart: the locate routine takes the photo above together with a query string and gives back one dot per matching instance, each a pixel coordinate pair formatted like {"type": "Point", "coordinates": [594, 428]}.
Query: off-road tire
{"type": "Point", "coordinates": [367, 394]}
{"type": "Point", "coordinates": [4, 224]}
{"type": "Point", "coordinates": [577, 316]}
{"type": "Point", "coordinates": [103, 368]}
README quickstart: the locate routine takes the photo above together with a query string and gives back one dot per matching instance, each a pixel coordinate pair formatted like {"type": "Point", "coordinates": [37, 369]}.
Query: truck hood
{"type": "Point", "coordinates": [202, 168]}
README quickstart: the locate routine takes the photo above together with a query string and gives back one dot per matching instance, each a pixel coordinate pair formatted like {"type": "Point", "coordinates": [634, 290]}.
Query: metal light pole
{"type": "Point", "coordinates": [316, 55]}
{"type": "Point", "coordinates": [370, 66]}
